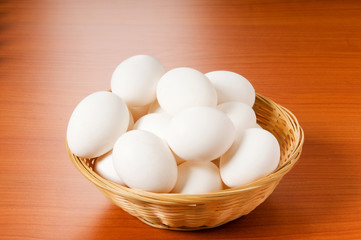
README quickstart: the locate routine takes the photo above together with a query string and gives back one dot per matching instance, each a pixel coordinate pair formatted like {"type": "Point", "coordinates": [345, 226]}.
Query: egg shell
{"type": "Point", "coordinates": [144, 161]}
{"type": "Point", "coordinates": [135, 80]}
{"type": "Point", "coordinates": [241, 114]}
{"type": "Point", "coordinates": [200, 134]}
{"type": "Point", "coordinates": [197, 178]}
{"type": "Point", "coordinates": [105, 168]}
{"type": "Point", "coordinates": [181, 88]}
{"type": "Point", "coordinates": [231, 86]}
{"type": "Point", "coordinates": [252, 156]}
{"type": "Point", "coordinates": [96, 123]}
{"type": "Point", "coordinates": [156, 123]}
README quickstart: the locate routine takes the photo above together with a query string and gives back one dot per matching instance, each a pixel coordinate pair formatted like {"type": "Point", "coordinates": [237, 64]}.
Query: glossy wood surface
{"type": "Point", "coordinates": [305, 55]}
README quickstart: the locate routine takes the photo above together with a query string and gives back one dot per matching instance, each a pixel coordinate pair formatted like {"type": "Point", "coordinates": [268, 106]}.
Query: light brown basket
{"type": "Point", "coordinates": [194, 212]}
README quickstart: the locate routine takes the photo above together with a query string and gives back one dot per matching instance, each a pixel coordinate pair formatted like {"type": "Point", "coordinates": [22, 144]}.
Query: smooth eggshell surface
{"type": "Point", "coordinates": [200, 134]}
{"type": "Point", "coordinates": [96, 123]}
{"type": "Point", "coordinates": [144, 161]}
{"type": "Point", "coordinates": [197, 178]}
{"type": "Point", "coordinates": [253, 155]}
{"type": "Point", "coordinates": [241, 114]}
{"type": "Point", "coordinates": [135, 80]}
{"type": "Point", "coordinates": [181, 88]}
{"type": "Point", "coordinates": [105, 168]}
{"type": "Point", "coordinates": [231, 86]}
{"type": "Point", "coordinates": [156, 123]}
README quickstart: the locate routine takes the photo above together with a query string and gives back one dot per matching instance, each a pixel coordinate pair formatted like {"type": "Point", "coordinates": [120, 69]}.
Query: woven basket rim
{"type": "Point", "coordinates": [176, 198]}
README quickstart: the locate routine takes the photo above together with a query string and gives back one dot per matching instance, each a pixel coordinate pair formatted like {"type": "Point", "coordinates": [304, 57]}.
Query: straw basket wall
{"type": "Point", "coordinates": [193, 212]}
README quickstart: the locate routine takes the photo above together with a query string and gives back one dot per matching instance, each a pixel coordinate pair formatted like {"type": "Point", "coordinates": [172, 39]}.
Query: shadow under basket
{"type": "Point", "coordinates": [194, 212]}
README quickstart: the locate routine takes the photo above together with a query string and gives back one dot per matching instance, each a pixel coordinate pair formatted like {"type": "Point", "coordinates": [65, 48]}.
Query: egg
{"type": "Point", "coordinates": [200, 134]}
{"type": "Point", "coordinates": [105, 168]}
{"type": "Point", "coordinates": [155, 108]}
{"type": "Point", "coordinates": [181, 88]}
{"type": "Point", "coordinates": [144, 161]}
{"type": "Point", "coordinates": [252, 156]}
{"type": "Point", "coordinates": [241, 114]}
{"type": "Point", "coordinates": [156, 123]}
{"type": "Point", "coordinates": [231, 86]}
{"type": "Point", "coordinates": [197, 178]}
{"type": "Point", "coordinates": [135, 80]}
{"type": "Point", "coordinates": [96, 123]}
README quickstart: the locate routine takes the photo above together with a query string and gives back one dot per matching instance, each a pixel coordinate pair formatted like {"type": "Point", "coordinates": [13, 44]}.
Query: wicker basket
{"type": "Point", "coordinates": [194, 212]}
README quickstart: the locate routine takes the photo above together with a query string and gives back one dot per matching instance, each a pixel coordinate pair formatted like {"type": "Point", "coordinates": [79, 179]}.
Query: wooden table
{"type": "Point", "coordinates": [305, 55]}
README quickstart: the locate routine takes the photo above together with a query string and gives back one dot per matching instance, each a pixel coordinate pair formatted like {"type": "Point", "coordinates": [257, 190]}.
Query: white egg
{"type": "Point", "coordinates": [197, 178]}
{"type": "Point", "coordinates": [241, 114]}
{"type": "Point", "coordinates": [156, 123]}
{"type": "Point", "coordinates": [144, 161]}
{"type": "Point", "coordinates": [181, 88]}
{"type": "Point", "coordinates": [231, 86]}
{"type": "Point", "coordinates": [253, 155]}
{"type": "Point", "coordinates": [138, 112]}
{"type": "Point", "coordinates": [96, 123]}
{"type": "Point", "coordinates": [105, 168]}
{"type": "Point", "coordinates": [135, 80]}
{"type": "Point", "coordinates": [155, 108]}
{"type": "Point", "coordinates": [200, 134]}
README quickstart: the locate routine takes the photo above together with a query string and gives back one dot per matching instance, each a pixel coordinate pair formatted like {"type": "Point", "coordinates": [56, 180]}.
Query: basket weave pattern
{"type": "Point", "coordinates": [193, 212]}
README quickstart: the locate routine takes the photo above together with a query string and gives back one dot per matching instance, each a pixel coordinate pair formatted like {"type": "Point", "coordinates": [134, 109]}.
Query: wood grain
{"type": "Point", "coordinates": [304, 55]}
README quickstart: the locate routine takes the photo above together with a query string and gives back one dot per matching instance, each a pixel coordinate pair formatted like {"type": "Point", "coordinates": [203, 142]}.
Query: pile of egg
{"type": "Point", "coordinates": [194, 133]}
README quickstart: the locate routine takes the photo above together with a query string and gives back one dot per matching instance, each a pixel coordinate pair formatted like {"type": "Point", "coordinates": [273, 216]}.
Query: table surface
{"type": "Point", "coordinates": [305, 55]}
